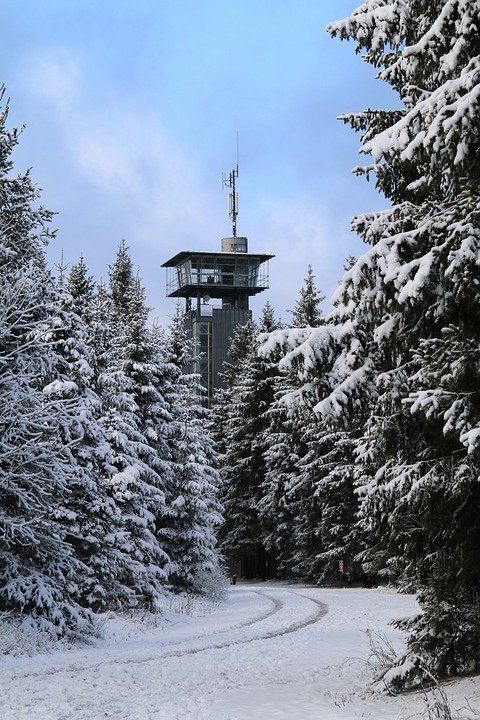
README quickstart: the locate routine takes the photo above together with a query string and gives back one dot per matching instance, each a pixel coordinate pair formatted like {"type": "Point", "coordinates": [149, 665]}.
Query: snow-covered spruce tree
{"type": "Point", "coordinates": [324, 492]}
{"type": "Point", "coordinates": [310, 473]}
{"type": "Point", "coordinates": [238, 536]}
{"type": "Point", "coordinates": [307, 311]}
{"type": "Point", "coordinates": [427, 256]}
{"type": "Point", "coordinates": [192, 511]}
{"type": "Point", "coordinates": [400, 350]}
{"type": "Point", "coordinates": [123, 355]}
{"type": "Point", "coordinates": [282, 501]}
{"type": "Point", "coordinates": [88, 510]}
{"type": "Point", "coordinates": [90, 301]}
{"type": "Point", "coordinates": [131, 410]}
{"type": "Point", "coordinates": [240, 422]}
{"type": "Point", "coordinates": [277, 504]}
{"type": "Point", "coordinates": [79, 290]}
{"type": "Point", "coordinates": [43, 416]}
{"type": "Point", "coordinates": [121, 284]}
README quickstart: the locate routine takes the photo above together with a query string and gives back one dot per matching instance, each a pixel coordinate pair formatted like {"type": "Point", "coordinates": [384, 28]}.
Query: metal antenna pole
{"type": "Point", "coordinates": [232, 196]}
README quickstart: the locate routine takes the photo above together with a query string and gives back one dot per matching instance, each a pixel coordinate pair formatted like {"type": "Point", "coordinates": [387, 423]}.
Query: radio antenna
{"type": "Point", "coordinates": [232, 196]}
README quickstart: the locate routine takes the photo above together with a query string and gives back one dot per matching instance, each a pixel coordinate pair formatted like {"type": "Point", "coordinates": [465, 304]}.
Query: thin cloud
{"type": "Point", "coordinates": [303, 233]}
{"type": "Point", "coordinates": [120, 149]}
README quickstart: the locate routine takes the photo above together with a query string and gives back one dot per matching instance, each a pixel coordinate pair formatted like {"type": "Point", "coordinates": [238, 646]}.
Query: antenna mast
{"type": "Point", "coordinates": [232, 196]}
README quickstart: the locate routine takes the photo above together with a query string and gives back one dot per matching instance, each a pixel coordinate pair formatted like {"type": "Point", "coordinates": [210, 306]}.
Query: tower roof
{"type": "Point", "coordinates": [187, 254]}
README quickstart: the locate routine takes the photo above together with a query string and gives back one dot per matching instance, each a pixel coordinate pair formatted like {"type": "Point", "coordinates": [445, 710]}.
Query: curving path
{"type": "Point", "coordinates": [272, 652]}
{"type": "Point", "coordinates": [182, 671]}
{"type": "Point", "coordinates": [279, 621]}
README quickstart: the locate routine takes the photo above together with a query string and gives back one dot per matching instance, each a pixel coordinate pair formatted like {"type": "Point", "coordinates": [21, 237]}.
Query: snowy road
{"type": "Point", "coordinates": [273, 651]}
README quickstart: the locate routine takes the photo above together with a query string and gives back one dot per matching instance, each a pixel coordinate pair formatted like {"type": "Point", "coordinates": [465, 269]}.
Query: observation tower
{"type": "Point", "coordinates": [217, 287]}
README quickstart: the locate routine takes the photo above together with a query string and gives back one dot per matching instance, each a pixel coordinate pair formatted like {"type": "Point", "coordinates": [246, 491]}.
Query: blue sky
{"type": "Point", "coordinates": [131, 110]}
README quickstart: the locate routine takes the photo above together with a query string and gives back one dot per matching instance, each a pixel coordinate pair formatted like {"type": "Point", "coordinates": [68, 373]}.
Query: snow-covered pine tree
{"type": "Point", "coordinates": [90, 301]}
{"type": "Point", "coordinates": [399, 353]}
{"type": "Point", "coordinates": [283, 502]}
{"type": "Point", "coordinates": [326, 506]}
{"type": "Point", "coordinates": [307, 311]}
{"type": "Point", "coordinates": [93, 303]}
{"type": "Point", "coordinates": [88, 511]}
{"type": "Point", "coordinates": [193, 511]}
{"type": "Point", "coordinates": [239, 533]}
{"type": "Point", "coordinates": [42, 574]}
{"type": "Point", "coordinates": [80, 290]}
{"type": "Point", "coordinates": [310, 473]}
{"type": "Point", "coordinates": [131, 405]}
{"type": "Point", "coordinates": [121, 283]}
{"type": "Point", "coordinates": [425, 260]}
{"type": "Point", "coordinates": [277, 507]}
{"type": "Point", "coordinates": [240, 422]}
{"type": "Point", "coordinates": [100, 325]}
{"type": "Point", "coordinates": [103, 522]}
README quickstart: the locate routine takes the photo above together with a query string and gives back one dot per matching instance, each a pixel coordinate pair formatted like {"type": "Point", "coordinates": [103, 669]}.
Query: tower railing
{"type": "Point", "coordinates": [217, 274]}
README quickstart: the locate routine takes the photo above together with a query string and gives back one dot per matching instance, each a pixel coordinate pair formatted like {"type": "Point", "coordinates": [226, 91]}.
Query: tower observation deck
{"type": "Point", "coordinates": [217, 287]}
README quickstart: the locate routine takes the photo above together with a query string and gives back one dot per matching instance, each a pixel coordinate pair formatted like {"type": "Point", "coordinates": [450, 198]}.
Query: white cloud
{"type": "Point", "coordinates": [56, 76]}
{"type": "Point", "coordinates": [302, 233]}
{"type": "Point", "coordinates": [119, 148]}
{"type": "Point", "coordinates": [118, 173]}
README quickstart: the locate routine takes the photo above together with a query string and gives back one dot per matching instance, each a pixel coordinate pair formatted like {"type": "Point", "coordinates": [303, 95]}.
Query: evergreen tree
{"type": "Point", "coordinates": [122, 283]}
{"type": "Point", "coordinates": [118, 350]}
{"type": "Point", "coordinates": [100, 328]}
{"type": "Point", "coordinates": [240, 424]}
{"type": "Point", "coordinates": [131, 403]}
{"type": "Point", "coordinates": [309, 494]}
{"type": "Point", "coordinates": [397, 360]}
{"type": "Point", "coordinates": [87, 511]}
{"type": "Point", "coordinates": [232, 423]}
{"type": "Point", "coordinates": [193, 509]}
{"type": "Point", "coordinates": [307, 312]}
{"type": "Point", "coordinates": [325, 506]}
{"type": "Point", "coordinates": [278, 508]}
{"type": "Point", "coordinates": [282, 502]}
{"type": "Point", "coordinates": [423, 434]}
{"type": "Point", "coordinates": [43, 576]}
{"type": "Point", "coordinates": [80, 290]}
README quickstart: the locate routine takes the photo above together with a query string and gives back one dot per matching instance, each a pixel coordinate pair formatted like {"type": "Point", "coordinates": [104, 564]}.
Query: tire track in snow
{"type": "Point", "coordinates": [275, 607]}
{"type": "Point", "coordinates": [321, 611]}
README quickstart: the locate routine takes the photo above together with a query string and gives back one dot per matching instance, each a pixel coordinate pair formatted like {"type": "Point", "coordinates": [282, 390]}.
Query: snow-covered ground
{"type": "Point", "coordinates": [271, 652]}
